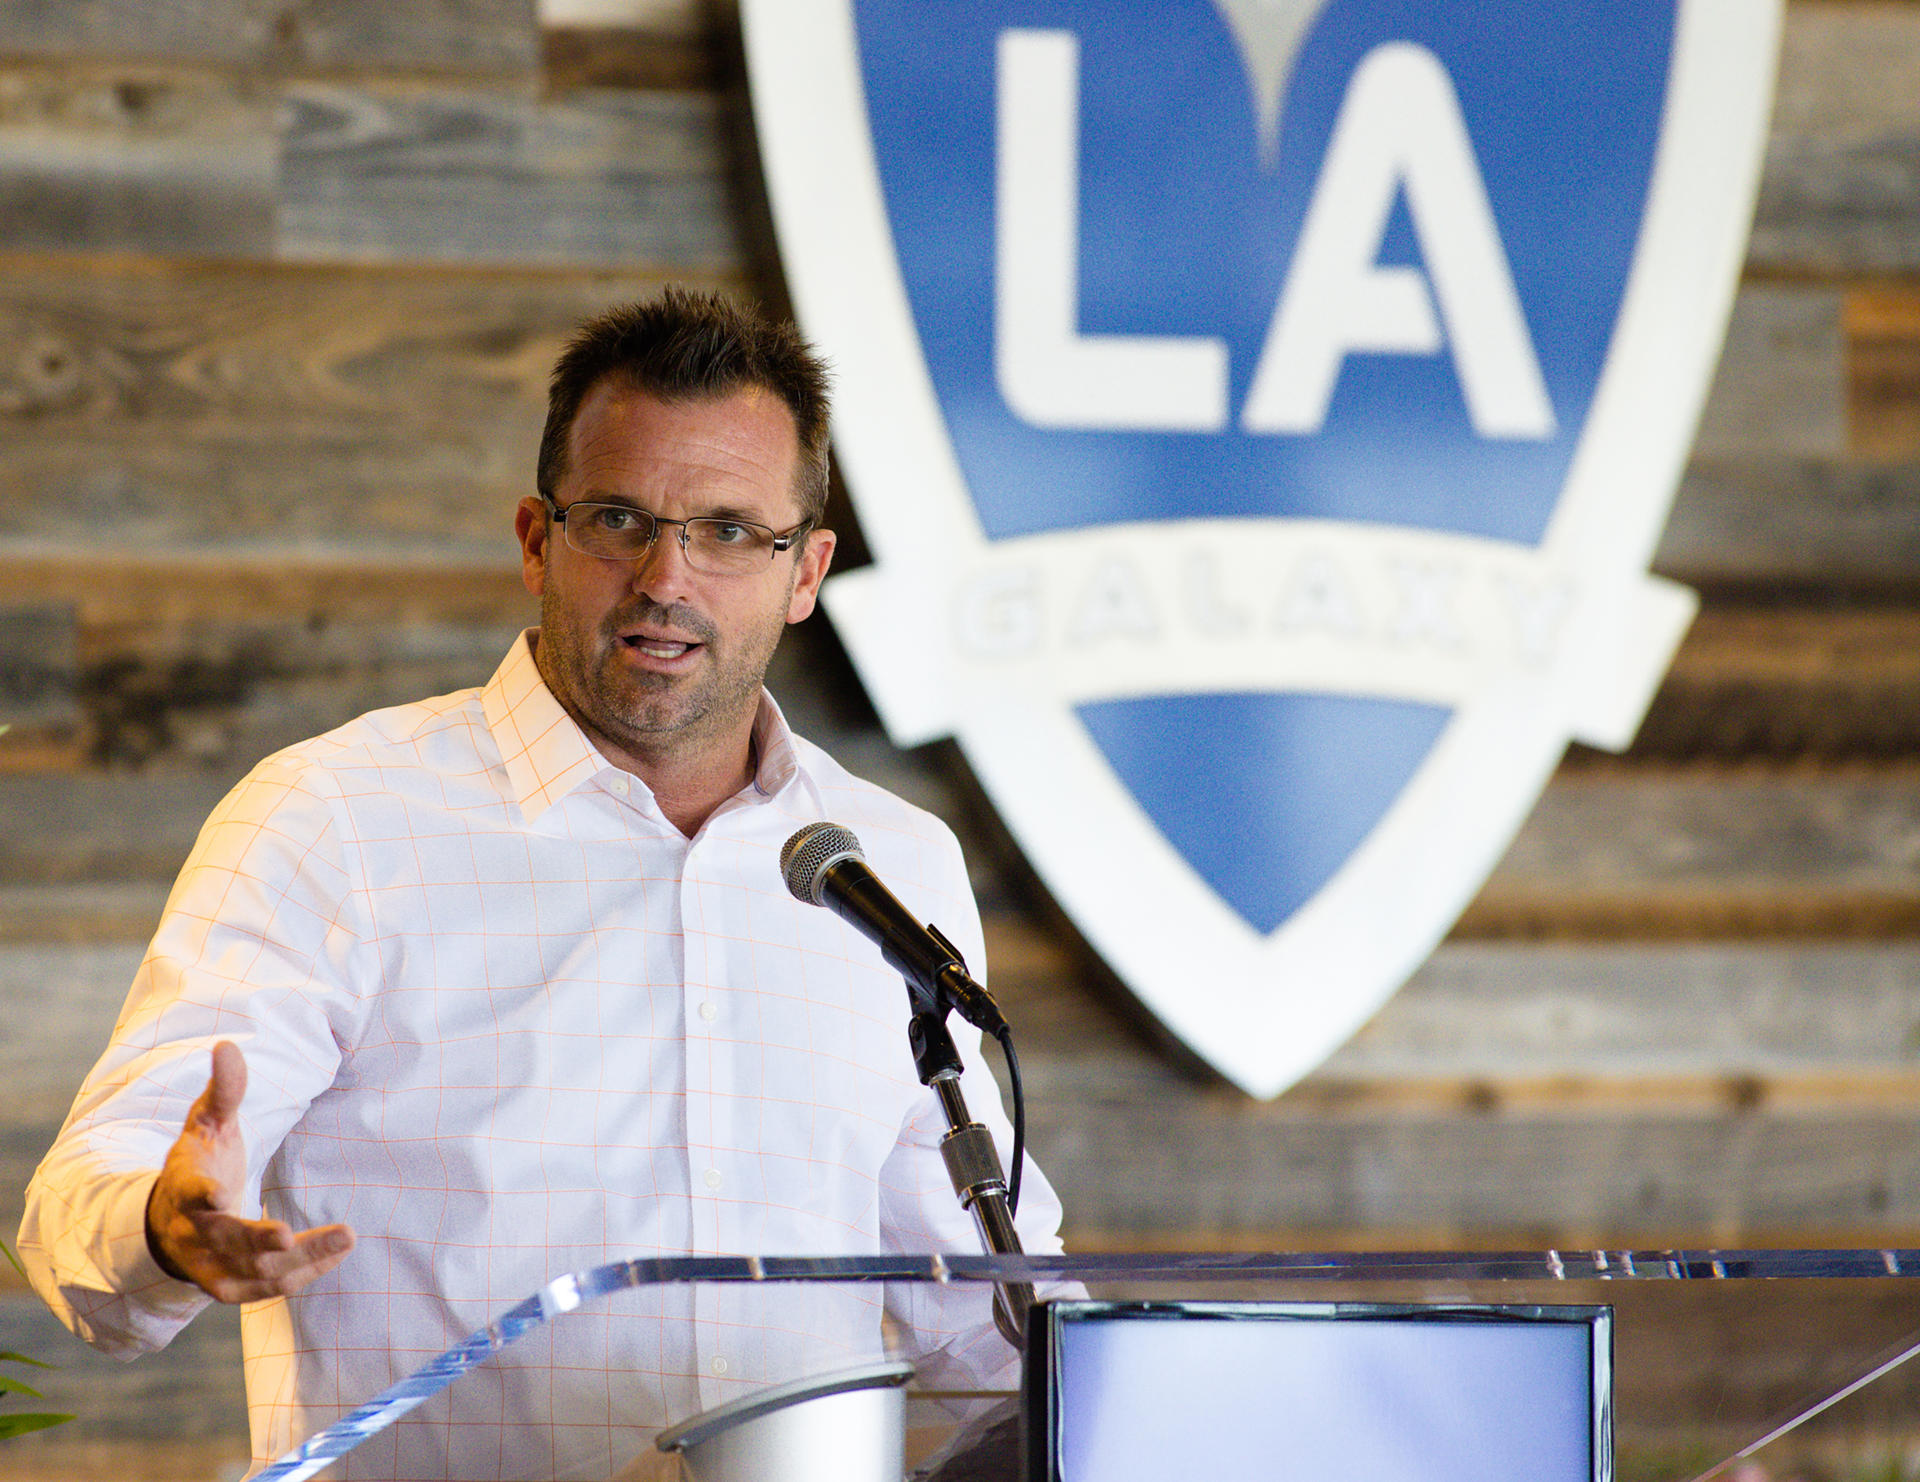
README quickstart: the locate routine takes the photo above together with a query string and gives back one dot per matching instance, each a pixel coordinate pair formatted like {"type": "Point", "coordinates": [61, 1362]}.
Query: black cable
{"type": "Point", "coordinates": [1005, 1036]}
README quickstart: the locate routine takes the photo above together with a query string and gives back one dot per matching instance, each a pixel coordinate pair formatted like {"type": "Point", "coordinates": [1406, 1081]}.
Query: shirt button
{"type": "Point", "coordinates": [709, 1011]}
{"type": "Point", "coordinates": [621, 786]}
{"type": "Point", "coordinates": [711, 1178]}
{"type": "Point", "coordinates": [719, 1365]}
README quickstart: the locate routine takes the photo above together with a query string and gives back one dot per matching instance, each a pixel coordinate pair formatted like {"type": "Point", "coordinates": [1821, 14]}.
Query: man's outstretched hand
{"type": "Point", "coordinates": [194, 1226]}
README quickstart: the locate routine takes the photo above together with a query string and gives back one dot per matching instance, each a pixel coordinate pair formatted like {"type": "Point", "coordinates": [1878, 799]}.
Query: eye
{"type": "Point", "coordinates": [616, 519]}
{"type": "Point", "coordinates": [727, 532]}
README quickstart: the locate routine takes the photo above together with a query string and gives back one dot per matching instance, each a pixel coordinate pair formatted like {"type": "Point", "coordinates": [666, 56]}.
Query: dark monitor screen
{"type": "Point", "coordinates": [1310, 1392]}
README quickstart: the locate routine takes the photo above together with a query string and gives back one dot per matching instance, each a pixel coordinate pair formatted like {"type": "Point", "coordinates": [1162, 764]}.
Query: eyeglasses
{"type": "Point", "coordinates": [713, 546]}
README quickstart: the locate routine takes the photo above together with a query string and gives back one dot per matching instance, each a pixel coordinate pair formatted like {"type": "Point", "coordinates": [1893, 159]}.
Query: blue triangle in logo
{"type": "Point", "coordinates": [1265, 795]}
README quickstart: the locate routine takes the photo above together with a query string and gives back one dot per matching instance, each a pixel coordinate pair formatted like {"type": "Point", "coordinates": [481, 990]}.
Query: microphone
{"type": "Point", "coordinates": [824, 866]}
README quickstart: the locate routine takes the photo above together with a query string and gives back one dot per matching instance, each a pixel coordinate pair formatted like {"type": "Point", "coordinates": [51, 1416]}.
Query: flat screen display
{"type": "Point", "coordinates": [1141, 1392]}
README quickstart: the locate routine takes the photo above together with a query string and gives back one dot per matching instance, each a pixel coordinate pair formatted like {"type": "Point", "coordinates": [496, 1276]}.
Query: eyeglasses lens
{"type": "Point", "coordinates": [715, 547]}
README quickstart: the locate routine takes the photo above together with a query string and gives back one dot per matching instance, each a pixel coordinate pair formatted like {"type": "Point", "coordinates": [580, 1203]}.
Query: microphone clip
{"type": "Point", "coordinates": [955, 990]}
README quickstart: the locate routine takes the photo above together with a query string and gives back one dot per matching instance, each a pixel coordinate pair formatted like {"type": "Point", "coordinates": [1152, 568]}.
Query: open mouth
{"type": "Point", "coordinates": [657, 648]}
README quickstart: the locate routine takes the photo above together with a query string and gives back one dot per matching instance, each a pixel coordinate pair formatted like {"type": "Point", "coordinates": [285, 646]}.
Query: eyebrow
{"type": "Point", "coordinates": [720, 512]}
{"type": "Point", "coordinates": [596, 496]}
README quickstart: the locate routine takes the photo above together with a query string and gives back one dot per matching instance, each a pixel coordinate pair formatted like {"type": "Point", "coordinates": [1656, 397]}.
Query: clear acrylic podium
{"type": "Point", "coordinates": [1761, 1365]}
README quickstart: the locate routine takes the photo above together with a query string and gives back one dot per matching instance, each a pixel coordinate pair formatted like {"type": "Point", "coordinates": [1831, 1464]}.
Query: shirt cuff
{"type": "Point", "coordinates": [128, 1259]}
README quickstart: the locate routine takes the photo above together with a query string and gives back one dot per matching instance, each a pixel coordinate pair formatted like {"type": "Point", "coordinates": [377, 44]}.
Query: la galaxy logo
{"type": "Point", "coordinates": [1262, 413]}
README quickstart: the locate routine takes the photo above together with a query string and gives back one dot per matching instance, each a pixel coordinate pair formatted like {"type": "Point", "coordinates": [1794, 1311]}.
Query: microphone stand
{"type": "Point", "coordinates": [973, 1162]}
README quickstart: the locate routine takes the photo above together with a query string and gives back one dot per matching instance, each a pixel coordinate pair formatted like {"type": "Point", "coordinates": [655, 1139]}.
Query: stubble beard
{"type": "Point", "coordinates": [654, 716]}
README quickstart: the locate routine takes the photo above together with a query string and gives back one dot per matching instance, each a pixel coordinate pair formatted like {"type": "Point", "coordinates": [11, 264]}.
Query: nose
{"type": "Point", "coordinates": [661, 570]}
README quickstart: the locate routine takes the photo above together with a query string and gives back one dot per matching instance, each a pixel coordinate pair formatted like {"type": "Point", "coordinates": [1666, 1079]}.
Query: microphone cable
{"type": "Point", "coordinates": [1005, 1037]}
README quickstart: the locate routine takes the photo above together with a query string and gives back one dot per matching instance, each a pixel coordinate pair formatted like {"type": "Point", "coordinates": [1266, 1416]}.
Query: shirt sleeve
{"type": "Point", "coordinates": [950, 1328]}
{"type": "Point", "coordinates": [260, 943]}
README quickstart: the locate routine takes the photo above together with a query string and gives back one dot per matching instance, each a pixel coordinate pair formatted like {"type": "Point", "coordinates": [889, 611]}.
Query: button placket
{"type": "Point", "coordinates": [704, 1131]}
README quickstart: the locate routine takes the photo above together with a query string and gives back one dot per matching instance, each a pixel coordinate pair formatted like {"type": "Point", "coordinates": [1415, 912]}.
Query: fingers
{"type": "Point", "coordinates": [194, 1227]}
{"type": "Point", "coordinates": [236, 1260]}
{"type": "Point", "coordinates": [207, 1163]}
{"type": "Point", "coordinates": [226, 1087]}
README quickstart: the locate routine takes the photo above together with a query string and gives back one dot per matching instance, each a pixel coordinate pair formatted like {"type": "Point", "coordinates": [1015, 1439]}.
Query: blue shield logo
{"type": "Point", "coordinates": [1263, 413]}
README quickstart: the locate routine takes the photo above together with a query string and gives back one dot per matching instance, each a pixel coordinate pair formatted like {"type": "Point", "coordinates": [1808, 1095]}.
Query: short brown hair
{"type": "Point", "coordinates": [685, 345]}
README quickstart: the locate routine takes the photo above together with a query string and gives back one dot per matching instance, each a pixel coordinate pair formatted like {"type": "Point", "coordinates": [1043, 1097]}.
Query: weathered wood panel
{"type": "Point", "coordinates": [1713, 1026]}
{"type": "Point", "coordinates": [71, 996]}
{"type": "Point", "coordinates": [683, 51]}
{"type": "Point", "coordinates": [101, 827]}
{"type": "Point", "coordinates": [85, 914]}
{"type": "Point", "coordinates": [1790, 683]}
{"type": "Point", "coordinates": [49, 1457]}
{"type": "Point", "coordinates": [177, 1414]}
{"type": "Point", "coordinates": [201, 408]}
{"type": "Point", "coordinates": [39, 680]}
{"type": "Point", "coordinates": [663, 17]}
{"type": "Point", "coordinates": [1794, 1015]}
{"type": "Point", "coordinates": [135, 159]}
{"type": "Point", "coordinates": [1198, 1171]}
{"type": "Point", "coordinates": [431, 35]}
{"type": "Point", "coordinates": [599, 179]}
{"type": "Point", "coordinates": [1882, 328]}
{"type": "Point", "coordinates": [1776, 524]}
{"type": "Point", "coordinates": [1707, 825]}
{"type": "Point", "coordinates": [1841, 191]}
{"type": "Point", "coordinates": [223, 695]}
{"type": "Point", "coordinates": [1780, 387]}
{"type": "Point", "coordinates": [1721, 852]}
{"type": "Point", "coordinates": [130, 596]}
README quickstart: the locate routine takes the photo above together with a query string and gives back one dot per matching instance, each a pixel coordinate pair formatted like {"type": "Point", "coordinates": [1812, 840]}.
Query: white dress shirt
{"type": "Point", "coordinates": [504, 1019]}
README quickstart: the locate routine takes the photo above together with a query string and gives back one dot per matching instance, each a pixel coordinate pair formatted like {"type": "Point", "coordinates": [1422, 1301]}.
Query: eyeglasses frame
{"type": "Point", "coordinates": [783, 540]}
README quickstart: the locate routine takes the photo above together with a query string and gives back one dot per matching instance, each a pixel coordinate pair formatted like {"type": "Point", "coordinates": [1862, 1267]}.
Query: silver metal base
{"type": "Point", "coordinates": [849, 1426]}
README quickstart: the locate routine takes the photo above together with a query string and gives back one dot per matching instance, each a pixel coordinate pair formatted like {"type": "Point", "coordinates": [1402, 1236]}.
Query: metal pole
{"type": "Point", "coordinates": [973, 1163]}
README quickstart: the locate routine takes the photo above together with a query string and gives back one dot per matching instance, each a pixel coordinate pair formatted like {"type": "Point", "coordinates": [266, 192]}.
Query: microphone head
{"type": "Point", "coordinates": [810, 853]}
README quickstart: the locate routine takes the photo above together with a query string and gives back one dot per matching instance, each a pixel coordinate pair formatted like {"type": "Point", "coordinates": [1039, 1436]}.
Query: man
{"type": "Point", "coordinates": [506, 984]}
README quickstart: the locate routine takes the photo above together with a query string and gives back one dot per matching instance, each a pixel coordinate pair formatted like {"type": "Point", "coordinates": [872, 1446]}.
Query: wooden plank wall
{"type": "Point", "coordinates": [279, 282]}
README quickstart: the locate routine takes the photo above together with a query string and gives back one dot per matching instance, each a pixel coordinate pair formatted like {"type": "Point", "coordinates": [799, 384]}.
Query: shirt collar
{"type": "Point", "coordinates": [778, 758]}
{"type": "Point", "coordinates": [546, 755]}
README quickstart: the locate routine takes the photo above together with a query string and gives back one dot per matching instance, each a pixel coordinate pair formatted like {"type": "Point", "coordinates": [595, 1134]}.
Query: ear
{"type": "Point", "coordinates": [530, 523]}
{"type": "Point", "coordinates": [809, 571]}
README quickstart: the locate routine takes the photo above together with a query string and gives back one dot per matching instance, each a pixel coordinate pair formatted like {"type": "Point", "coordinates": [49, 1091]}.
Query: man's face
{"type": "Point", "coordinates": [660, 663]}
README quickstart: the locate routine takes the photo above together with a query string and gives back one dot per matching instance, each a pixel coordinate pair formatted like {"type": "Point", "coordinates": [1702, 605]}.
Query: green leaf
{"type": "Point", "coordinates": [19, 1425]}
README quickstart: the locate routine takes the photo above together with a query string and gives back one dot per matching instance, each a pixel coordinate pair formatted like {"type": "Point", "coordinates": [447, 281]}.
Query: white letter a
{"type": "Point", "coordinates": [1399, 126]}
